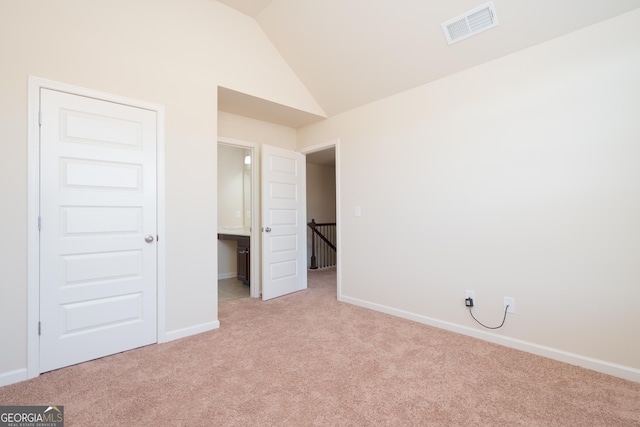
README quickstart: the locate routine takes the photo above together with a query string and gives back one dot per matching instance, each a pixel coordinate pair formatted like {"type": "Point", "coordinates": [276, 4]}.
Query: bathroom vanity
{"type": "Point", "coordinates": [242, 236]}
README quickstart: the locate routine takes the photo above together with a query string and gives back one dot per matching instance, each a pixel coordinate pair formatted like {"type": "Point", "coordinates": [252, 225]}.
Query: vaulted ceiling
{"type": "Point", "coordinates": [352, 52]}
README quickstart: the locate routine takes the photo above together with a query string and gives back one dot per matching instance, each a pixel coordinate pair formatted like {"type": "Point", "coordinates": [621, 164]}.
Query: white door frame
{"type": "Point", "coordinates": [255, 286]}
{"type": "Point", "coordinates": [335, 143]}
{"type": "Point", "coordinates": [33, 209]}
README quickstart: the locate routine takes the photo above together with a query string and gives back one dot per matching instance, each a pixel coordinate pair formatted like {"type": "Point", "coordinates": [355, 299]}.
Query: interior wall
{"type": "Point", "coordinates": [516, 178]}
{"type": "Point", "coordinates": [321, 193]}
{"type": "Point", "coordinates": [246, 129]}
{"type": "Point", "coordinates": [171, 53]}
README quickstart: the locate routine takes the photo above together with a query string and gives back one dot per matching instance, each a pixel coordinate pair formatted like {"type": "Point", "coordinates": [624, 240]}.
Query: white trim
{"type": "Point", "coordinates": [12, 377]}
{"type": "Point", "coordinates": [33, 235]}
{"type": "Point", "coordinates": [33, 209]}
{"type": "Point", "coordinates": [192, 330]}
{"type": "Point", "coordinates": [602, 366]}
{"type": "Point", "coordinates": [320, 147]}
{"type": "Point", "coordinates": [161, 224]}
{"type": "Point", "coordinates": [255, 286]}
{"type": "Point", "coordinates": [335, 143]}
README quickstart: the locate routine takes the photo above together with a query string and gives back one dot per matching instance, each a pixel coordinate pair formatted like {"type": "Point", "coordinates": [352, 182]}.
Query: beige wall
{"type": "Point", "coordinates": [321, 193]}
{"type": "Point", "coordinates": [171, 53]}
{"type": "Point", "coordinates": [516, 178]}
{"type": "Point", "coordinates": [233, 126]}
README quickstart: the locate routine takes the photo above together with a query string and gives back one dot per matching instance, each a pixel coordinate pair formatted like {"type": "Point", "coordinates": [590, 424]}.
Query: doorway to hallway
{"type": "Point", "coordinates": [323, 203]}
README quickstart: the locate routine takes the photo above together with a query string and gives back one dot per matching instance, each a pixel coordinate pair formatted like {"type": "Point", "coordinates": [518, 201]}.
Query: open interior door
{"type": "Point", "coordinates": [284, 247]}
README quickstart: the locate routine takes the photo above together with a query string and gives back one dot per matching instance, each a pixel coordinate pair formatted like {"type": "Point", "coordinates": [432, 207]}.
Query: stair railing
{"type": "Point", "coordinates": [323, 248]}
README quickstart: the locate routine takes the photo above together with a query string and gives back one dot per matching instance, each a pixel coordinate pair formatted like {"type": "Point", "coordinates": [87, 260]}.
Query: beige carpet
{"type": "Point", "coordinates": [308, 360]}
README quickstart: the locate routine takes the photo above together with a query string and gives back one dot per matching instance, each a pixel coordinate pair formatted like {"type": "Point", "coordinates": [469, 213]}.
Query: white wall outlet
{"type": "Point", "coordinates": [238, 214]}
{"type": "Point", "coordinates": [511, 302]}
{"type": "Point", "coordinates": [470, 294]}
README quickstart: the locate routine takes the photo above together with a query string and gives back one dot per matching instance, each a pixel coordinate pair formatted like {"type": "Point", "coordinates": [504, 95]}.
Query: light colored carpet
{"type": "Point", "coordinates": [307, 360]}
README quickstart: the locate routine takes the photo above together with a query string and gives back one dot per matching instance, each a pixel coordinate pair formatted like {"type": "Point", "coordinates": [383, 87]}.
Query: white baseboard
{"type": "Point", "coordinates": [602, 366]}
{"type": "Point", "coordinates": [191, 330]}
{"type": "Point", "coordinates": [12, 377]}
{"type": "Point", "coordinates": [222, 276]}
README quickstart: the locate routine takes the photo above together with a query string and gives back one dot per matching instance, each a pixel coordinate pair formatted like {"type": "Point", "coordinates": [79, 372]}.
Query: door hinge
{"type": "Point", "coordinates": [39, 223]}
{"type": "Point", "coordinates": [40, 118]}
{"type": "Point", "coordinates": [39, 328]}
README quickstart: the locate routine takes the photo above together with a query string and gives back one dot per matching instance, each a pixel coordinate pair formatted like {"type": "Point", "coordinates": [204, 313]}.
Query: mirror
{"type": "Point", "coordinates": [246, 186]}
{"type": "Point", "coordinates": [234, 188]}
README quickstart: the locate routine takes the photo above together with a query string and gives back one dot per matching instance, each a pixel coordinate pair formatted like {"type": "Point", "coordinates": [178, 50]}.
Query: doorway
{"type": "Point", "coordinates": [329, 154]}
{"type": "Point", "coordinates": [238, 219]}
{"type": "Point", "coordinates": [323, 200]}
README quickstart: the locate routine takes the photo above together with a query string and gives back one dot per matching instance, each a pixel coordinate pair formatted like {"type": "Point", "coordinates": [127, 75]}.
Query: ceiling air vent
{"type": "Point", "coordinates": [471, 23]}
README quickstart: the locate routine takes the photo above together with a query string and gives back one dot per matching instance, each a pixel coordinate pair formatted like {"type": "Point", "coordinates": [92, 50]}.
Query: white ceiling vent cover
{"type": "Point", "coordinates": [471, 23]}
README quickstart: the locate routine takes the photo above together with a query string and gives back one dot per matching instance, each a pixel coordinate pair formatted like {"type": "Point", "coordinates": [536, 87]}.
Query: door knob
{"type": "Point", "coordinates": [268, 229]}
{"type": "Point", "coordinates": [148, 238]}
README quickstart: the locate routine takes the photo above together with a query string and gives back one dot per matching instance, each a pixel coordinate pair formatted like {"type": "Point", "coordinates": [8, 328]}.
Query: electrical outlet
{"type": "Point", "coordinates": [470, 294]}
{"type": "Point", "coordinates": [511, 302]}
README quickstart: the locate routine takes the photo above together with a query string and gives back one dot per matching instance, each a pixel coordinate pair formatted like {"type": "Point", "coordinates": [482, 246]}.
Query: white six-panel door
{"type": "Point", "coordinates": [284, 233]}
{"type": "Point", "coordinates": [98, 273]}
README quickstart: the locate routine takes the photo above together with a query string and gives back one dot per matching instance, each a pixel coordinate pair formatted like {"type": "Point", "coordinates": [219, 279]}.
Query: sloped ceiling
{"type": "Point", "coordinates": [352, 52]}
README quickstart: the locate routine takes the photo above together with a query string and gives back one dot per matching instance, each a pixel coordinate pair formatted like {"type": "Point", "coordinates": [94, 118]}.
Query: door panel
{"type": "Point", "coordinates": [98, 202]}
{"type": "Point", "coordinates": [284, 224]}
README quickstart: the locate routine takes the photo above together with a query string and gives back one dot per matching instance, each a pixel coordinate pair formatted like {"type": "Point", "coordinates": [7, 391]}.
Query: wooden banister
{"type": "Point", "coordinates": [325, 243]}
